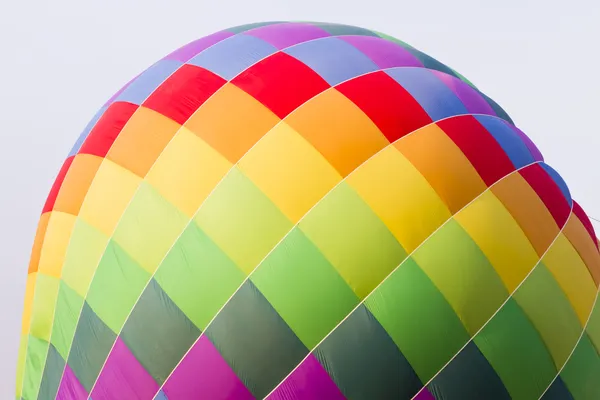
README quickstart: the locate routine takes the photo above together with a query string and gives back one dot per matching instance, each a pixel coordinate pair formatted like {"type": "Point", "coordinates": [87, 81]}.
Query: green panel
{"type": "Point", "coordinates": [342, 30]}
{"type": "Point", "coordinates": [304, 288]}
{"type": "Point", "coordinates": [242, 220]}
{"type": "Point", "coordinates": [516, 351]}
{"type": "Point", "coordinates": [149, 227]}
{"type": "Point", "coordinates": [86, 247]}
{"type": "Point", "coordinates": [395, 40]}
{"type": "Point", "coordinates": [247, 27]}
{"type": "Point", "coordinates": [548, 308]}
{"type": "Point", "coordinates": [460, 270]}
{"type": "Point", "coordinates": [118, 283]}
{"type": "Point", "coordinates": [53, 370]}
{"type": "Point", "coordinates": [593, 326]}
{"type": "Point", "coordinates": [158, 333]}
{"type": "Point", "coordinates": [34, 364]}
{"type": "Point", "coordinates": [198, 276]}
{"type": "Point", "coordinates": [254, 340]}
{"type": "Point", "coordinates": [68, 308]}
{"type": "Point", "coordinates": [21, 363]}
{"type": "Point", "coordinates": [364, 362]}
{"type": "Point", "coordinates": [581, 374]}
{"type": "Point", "coordinates": [414, 313]}
{"type": "Point", "coordinates": [44, 301]}
{"type": "Point", "coordinates": [353, 239]}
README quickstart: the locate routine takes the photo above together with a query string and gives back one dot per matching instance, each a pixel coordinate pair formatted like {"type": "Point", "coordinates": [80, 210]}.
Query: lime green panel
{"type": "Point", "coordinates": [593, 326]}
{"type": "Point", "coordinates": [581, 373]}
{"type": "Point", "coordinates": [304, 288]}
{"type": "Point", "coordinates": [83, 255]}
{"type": "Point", "coordinates": [242, 220]}
{"type": "Point", "coordinates": [354, 240]}
{"type": "Point", "coordinates": [416, 316]}
{"type": "Point", "coordinates": [516, 352]}
{"type": "Point", "coordinates": [37, 350]}
{"type": "Point", "coordinates": [46, 290]}
{"type": "Point", "coordinates": [460, 270]}
{"type": "Point", "coordinates": [21, 363]}
{"type": "Point", "coordinates": [68, 308]}
{"type": "Point", "coordinates": [149, 227]}
{"type": "Point", "coordinates": [198, 276]}
{"type": "Point", "coordinates": [118, 283]}
{"type": "Point", "coordinates": [548, 308]}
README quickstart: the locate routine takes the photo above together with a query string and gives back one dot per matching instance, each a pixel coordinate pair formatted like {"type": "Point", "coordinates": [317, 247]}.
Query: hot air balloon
{"type": "Point", "coordinates": [294, 210]}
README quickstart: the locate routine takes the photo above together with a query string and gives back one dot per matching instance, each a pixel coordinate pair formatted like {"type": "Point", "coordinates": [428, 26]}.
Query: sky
{"type": "Point", "coordinates": [63, 59]}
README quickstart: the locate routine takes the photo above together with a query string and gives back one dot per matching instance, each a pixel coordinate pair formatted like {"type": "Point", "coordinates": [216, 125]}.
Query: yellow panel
{"type": "Point", "coordinates": [40, 234]}
{"type": "Point", "coordinates": [443, 164]}
{"type": "Point", "coordinates": [571, 274]}
{"type": "Point", "coordinates": [187, 171]}
{"type": "Point", "coordinates": [108, 196]}
{"type": "Point", "coordinates": [583, 243]}
{"type": "Point", "coordinates": [338, 129]}
{"type": "Point", "coordinates": [55, 245]}
{"type": "Point", "coordinates": [142, 140]}
{"type": "Point", "coordinates": [76, 183]}
{"type": "Point", "coordinates": [400, 196]}
{"type": "Point", "coordinates": [528, 210]}
{"type": "Point", "coordinates": [500, 238]}
{"type": "Point", "coordinates": [232, 121]}
{"type": "Point", "coordinates": [29, 292]}
{"type": "Point", "coordinates": [289, 171]}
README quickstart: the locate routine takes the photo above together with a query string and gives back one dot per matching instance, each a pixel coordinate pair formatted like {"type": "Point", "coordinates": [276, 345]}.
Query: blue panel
{"type": "Point", "coordinates": [161, 396]}
{"type": "Point", "coordinates": [508, 139]}
{"type": "Point", "coordinates": [233, 55]}
{"type": "Point", "coordinates": [87, 131]}
{"type": "Point", "coordinates": [334, 59]}
{"type": "Point", "coordinates": [559, 182]}
{"type": "Point", "coordinates": [436, 98]}
{"type": "Point", "coordinates": [148, 81]}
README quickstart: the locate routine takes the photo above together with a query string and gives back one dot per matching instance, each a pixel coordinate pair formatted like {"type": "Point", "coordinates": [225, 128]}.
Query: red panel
{"type": "Point", "coordinates": [281, 83]}
{"type": "Point", "coordinates": [183, 92]}
{"type": "Point", "coordinates": [479, 146]}
{"type": "Point", "coordinates": [107, 128]}
{"type": "Point", "coordinates": [388, 104]}
{"type": "Point", "coordinates": [548, 191]}
{"type": "Point", "coordinates": [57, 184]}
{"type": "Point", "coordinates": [580, 213]}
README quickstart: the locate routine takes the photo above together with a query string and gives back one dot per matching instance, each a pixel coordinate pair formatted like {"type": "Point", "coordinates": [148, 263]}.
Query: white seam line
{"type": "Point", "coordinates": [302, 218]}
{"type": "Point", "coordinates": [408, 256]}
{"type": "Point", "coordinates": [510, 296]}
{"type": "Point", "coordinates": [235, 165]}
{"type": "Point", "coordinates": [583, 332]}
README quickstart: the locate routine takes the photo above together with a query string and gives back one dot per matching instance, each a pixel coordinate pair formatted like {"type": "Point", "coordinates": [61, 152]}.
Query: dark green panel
{"type": "Point", "coordinates": [158, 333]}
{"type": "Point", "coordinates": [364, 362]}
{"type": "Point", "coordinates": [581, 374]}
{"type": "Point", "coordinates": [52, 374]}
{"type": "Point", "coordinates": [342, 30]}
{"type": "Point", "coordinates": [497, 109]}
{"type": "Point", "coordinates": [91, 345]}
{"type": "Point", "coordinates": [255, 341]}
{"type": "Point", "coordinates": [517, 353]}
{"type": "Point", "coordinates": [468, 376]}
{"type": "Point", "coordinates": [558, 391]}
{"type": "Point", "coordinates": [414, 312]}
{"type": "Point", "coordinates": [247, 27]}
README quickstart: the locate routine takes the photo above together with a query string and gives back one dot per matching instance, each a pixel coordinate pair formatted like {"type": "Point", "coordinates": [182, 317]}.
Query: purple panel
{"type": "Point", "coordinates": [204, 374]}
{"type": "Point", "coordinates": [474, 102]}
{"type": "Point", "coordinates": [70, 388]}
{"type": "Point", "coordinates": [535, 152]}
{"type": "Point", "coordinates": [124, 377]}
{"type": "Point", "coordinates": [288, 34]}
{"type": "Point", "coordinates": [424, 394]}
{"type": "Point", "coordinates": [188, 51]}
{"type": "Point", "coordinates": [384, 53]}
{"type": "Point", "coordinates": [309, 381]}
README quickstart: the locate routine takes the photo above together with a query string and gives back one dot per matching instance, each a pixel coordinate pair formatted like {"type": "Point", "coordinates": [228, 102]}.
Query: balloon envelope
{"type": "Point", "coordinates": [308, 211]}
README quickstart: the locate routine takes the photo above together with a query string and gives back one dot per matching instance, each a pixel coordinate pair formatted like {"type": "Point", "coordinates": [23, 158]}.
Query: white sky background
{"type": "Point", "coordinates": [61, 60]}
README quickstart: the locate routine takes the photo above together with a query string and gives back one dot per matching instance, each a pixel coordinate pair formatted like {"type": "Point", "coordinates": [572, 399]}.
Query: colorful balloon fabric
{"type": "Point", "coordinates": [308, 211]}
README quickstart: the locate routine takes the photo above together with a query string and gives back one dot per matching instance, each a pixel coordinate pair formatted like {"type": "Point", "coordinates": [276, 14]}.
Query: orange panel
{"type": "Point", "coordinates": [142, 140]}
{"type": "Point", "coordinates": [528, 210]}
{"type": "Point", "coordinates": [36, 251]}
{"type": "Point", "coordinates": [76, 183]}
{"type": "Point", "coordinates": [442, 163]}
{"type": "Point", "coordinates": [232, 121]}
{"type": "Point", "coordinates": [582, 242]}
{"type": "Point", "coordinates": [338, 129]}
